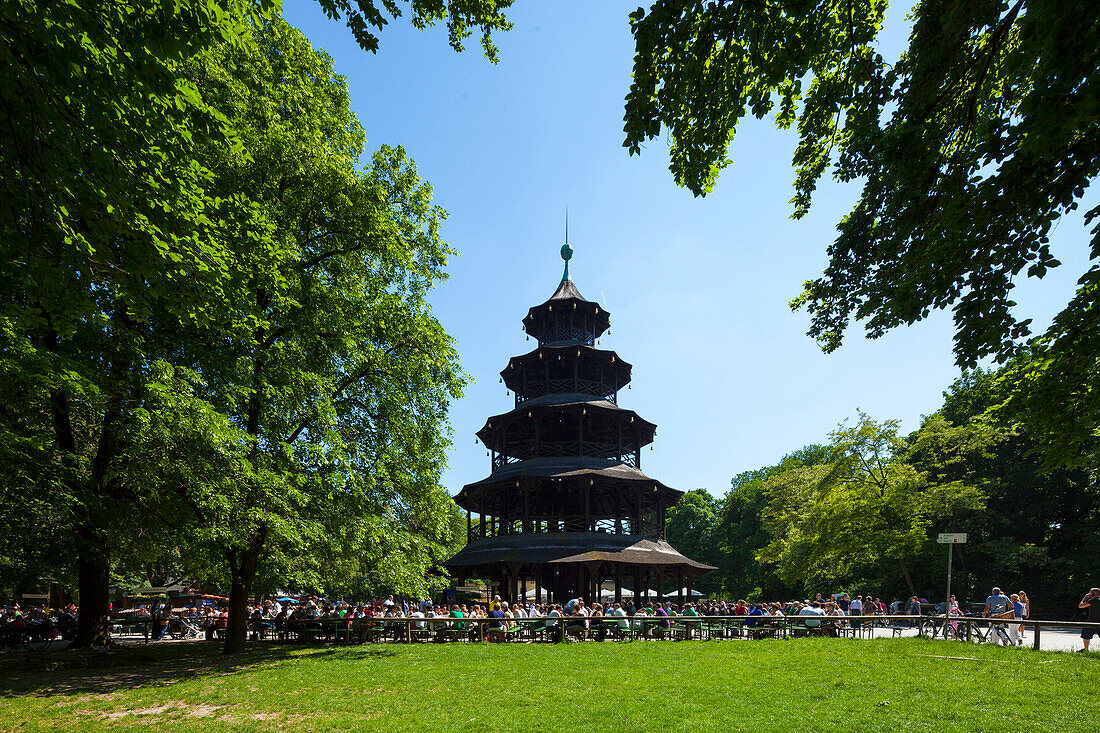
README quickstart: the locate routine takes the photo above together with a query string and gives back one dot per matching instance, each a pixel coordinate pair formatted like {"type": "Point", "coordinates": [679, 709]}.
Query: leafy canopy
{"type": "Point", "coordinates": [969, 150]}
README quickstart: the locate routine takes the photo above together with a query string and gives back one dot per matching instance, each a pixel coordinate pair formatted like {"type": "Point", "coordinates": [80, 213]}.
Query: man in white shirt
{"type": "Point", "coordinates": [812, 610]}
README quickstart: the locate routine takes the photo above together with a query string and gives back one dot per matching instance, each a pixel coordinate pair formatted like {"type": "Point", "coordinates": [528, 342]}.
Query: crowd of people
{"type": "Point", "coordinates": [584, 619]}
{"type": "Point", "coordinates": [497, 618]}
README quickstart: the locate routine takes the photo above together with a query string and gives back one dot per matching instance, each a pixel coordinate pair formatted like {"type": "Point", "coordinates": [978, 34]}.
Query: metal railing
{"type": "Point", "coordinates": [409, 629]}
{"type": "Point", "coordinates": [974, 629]}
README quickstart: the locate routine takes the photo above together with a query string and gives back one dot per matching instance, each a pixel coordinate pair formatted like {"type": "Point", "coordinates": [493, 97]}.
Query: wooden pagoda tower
{"type": "Point", "coordinates": [567, 507]}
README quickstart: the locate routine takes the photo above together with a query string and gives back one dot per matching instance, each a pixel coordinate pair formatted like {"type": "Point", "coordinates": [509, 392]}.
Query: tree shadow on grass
{"type": "Point", "coordinates": [104, 671]}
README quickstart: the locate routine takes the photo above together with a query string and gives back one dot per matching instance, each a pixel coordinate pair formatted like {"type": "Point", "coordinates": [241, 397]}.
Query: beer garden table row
{"type": "Point", "coordinates": [413, 629]}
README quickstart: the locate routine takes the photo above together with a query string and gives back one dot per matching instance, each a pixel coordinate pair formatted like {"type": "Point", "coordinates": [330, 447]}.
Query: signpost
{"type": "Point", "coordinates": [950, 539]}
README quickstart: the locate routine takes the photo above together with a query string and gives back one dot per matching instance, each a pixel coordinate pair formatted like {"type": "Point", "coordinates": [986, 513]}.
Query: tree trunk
{"type": "Point", "coordinates": [93, 549]}
{"type": "Point", "coordinates": [242, 568]}
{"type": "Point", "coordinates": [93, 585]}
{"type": "Point", "coordinates": [905, 574]}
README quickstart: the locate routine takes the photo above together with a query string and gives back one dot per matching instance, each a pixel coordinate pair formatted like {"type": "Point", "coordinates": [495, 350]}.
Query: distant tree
{"type": "Point", "coordinates": [739, 532]}
{"type": "Point", "coordinates": [1038, 522]}
{"type": "Point", "coordinates": [969, 149]}
{"type": "Point", "coordinates": [689, 526]}
{"type": "Point", "coordinates": [866, 509]}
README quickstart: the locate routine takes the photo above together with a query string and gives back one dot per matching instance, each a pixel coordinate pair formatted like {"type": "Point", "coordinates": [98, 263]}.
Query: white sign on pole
{"type": "Point", "coordinates": [952, 538]}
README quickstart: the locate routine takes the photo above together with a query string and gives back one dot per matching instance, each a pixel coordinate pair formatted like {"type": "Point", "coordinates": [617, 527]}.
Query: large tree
{"type": "Point", "coordinates": [970, 148]}
{"type": "Point", "coordinates": [115, 244]}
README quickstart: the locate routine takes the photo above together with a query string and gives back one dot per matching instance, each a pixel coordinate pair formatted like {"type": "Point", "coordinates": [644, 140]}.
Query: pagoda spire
{"type": "Point", "coordinates": [566, 250]}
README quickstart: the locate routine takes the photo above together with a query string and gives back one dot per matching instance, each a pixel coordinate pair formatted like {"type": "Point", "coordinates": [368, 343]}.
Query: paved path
{"type": "Point", "coordinates": [1055, 640]}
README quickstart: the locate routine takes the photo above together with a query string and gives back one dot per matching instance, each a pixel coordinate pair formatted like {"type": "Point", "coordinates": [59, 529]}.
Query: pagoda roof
{"type": "Point", "coordinates": [573, 470]}
{"type": "Point", "coordinates": [573, 547]}
{"type": "Point", "coordinates": [567, 295]}
{"type": "Point", "coordinates": [567, 289]}
{"type": "Point", "coordinates": [590, 353]}
{"type": "Point", "coordinates": [568, 403]}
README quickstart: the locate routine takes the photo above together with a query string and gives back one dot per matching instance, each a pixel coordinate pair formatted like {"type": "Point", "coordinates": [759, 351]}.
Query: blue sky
{"type": "Point", "coordinates": [697, 288]}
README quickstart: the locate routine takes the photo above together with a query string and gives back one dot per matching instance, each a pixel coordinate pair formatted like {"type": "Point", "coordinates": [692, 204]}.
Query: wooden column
{"type": "Point", "coordinates": [469, 526]}
{"type": "Point", "coordinates": [680, 588]}
{"type": "Point", "coordinates": [587, 509]}
{"type": "Point", "coordinates": [580, 434]}
{"type": "Point", "coordinates": [538, 584]}
{"type": "Point", "coordinates": [618, 584]}
{"type": "Point", "coordinates": [526, 509]}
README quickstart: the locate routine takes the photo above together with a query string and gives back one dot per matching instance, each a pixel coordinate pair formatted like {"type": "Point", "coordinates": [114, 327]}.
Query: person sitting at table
{"type": "Point", "coordinates": [833, 627]}
{"type": "Point", "coordinates": [812, 610]}
{"type": "Point", "coordinates": [621, 624]}
{"type": "Point", "coordinates": [418, 614]}
{"type": "Point", "coordinates": [660, 612]}
{"type": "Point", "coordinates": [496, 626]}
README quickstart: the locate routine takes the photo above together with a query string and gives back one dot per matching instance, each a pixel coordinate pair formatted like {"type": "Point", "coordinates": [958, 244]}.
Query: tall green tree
{"type": "Point", "coordinates": [969, 148]}
{"type": "Point", "coordinates": [340, 387]}
{"type": "Point", "coordinates": [115, 245]}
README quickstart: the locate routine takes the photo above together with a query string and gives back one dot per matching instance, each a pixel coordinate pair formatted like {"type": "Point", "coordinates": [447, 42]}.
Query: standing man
{"type": "Point", "coordinates": [855, 608]}
{"type": "Point", "coordinates": [1091, 601]}
{"type": "Point", "coordinates": [996, 605]}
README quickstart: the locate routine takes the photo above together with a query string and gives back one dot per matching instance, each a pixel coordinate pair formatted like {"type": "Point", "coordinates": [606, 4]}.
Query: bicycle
{"type": "Point", "coordinates": [25, 638]}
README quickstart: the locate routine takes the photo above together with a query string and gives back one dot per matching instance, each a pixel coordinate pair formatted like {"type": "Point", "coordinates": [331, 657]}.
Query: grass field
{"type": "Point", "coordinates": [881, 685]}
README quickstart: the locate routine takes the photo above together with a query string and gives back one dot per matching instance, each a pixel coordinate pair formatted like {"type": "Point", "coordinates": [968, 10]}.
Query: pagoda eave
{"type": "Point", "coordinates": [565, 470]}
{"type": "Point", "coordinates": [567, 404]}
{"type": "Point", "coordinates": [573, 547]}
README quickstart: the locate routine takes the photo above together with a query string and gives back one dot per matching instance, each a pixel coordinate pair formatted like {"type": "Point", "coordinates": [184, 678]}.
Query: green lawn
{"type": "Point", "coordinates": [880, 685]}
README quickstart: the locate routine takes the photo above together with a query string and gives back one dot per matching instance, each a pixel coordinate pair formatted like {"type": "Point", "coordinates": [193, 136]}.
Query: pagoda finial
{"type": "Point", "coordinates": [566, 250]}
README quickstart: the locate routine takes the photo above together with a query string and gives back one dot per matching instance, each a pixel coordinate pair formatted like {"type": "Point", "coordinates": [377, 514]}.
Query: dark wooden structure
{"type": "Point", "coordinates": [567, 507]}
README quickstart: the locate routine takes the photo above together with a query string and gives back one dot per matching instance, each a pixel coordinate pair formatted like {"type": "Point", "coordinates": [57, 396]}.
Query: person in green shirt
{"type": "Point", "coordinates": [455, 613]}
